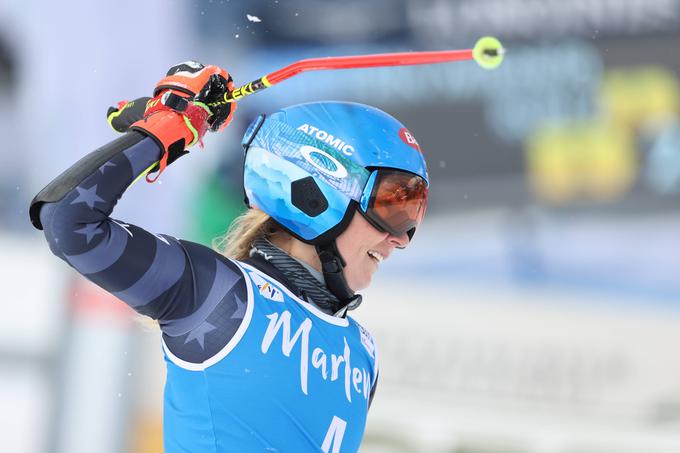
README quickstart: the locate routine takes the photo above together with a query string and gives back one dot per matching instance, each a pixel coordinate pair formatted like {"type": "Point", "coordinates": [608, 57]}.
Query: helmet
{"type": "Point", "coordinates": [311, 166]}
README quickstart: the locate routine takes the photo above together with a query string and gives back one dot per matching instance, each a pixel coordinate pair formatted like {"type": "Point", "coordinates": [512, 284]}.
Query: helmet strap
{"type": "Point", "coordinates": [332, 265]}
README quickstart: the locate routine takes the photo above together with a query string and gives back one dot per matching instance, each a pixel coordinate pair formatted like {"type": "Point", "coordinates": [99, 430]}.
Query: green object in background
{"type": "Point", "coordinates": [214, 207]}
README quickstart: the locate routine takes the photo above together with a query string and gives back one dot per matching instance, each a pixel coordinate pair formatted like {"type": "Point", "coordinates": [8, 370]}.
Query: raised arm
{"type": "Point", "coordinates": [158, 275]}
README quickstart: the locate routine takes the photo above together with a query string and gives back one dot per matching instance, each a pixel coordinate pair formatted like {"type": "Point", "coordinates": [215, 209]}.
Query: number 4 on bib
{"type": "Point", "coordinates": [334, 436]}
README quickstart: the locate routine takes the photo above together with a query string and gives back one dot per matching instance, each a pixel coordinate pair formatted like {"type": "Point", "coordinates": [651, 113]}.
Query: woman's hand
{"type": "Point", "coordinates": [189, 101]}
{"type": "Point", "coordinates": [202, 85]}
{"type": "Point", "coordinates": [206, 85]}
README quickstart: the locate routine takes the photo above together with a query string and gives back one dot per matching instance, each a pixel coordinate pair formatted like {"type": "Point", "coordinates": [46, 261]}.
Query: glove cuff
{"type": "Point", "coordinates": [167, 128]}
{"type": "Point", "coordinates": [194, 114]}
{"type": "Point", "coordinates": [174, 123]}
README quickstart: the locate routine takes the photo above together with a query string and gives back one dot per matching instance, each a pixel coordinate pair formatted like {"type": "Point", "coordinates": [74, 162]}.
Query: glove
{"type": "Point", "coordinates": [188, 102]}
{"type": "Point", "coordinates": [126, 113]}
{"type": "Point", "coordinates": [207, 85]}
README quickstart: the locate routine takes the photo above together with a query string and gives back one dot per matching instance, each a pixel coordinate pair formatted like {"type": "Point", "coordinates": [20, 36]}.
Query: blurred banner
{"type": "Point", "coordinates": [503, 369]}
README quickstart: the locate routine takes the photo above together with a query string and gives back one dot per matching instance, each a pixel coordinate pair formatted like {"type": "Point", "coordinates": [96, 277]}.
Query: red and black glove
{"type": "Point", "coordinates": [188, 102]}
{"type": "Point", "coordinates": [206, 85]}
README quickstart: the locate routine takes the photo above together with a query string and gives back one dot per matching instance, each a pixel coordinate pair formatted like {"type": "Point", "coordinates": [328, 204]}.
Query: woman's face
{"type": "Point", "coordinates": [363, 248]}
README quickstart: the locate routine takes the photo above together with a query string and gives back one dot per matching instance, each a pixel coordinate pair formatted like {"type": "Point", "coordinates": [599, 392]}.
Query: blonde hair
{"type": "Point", "coordinates": [237, 241]}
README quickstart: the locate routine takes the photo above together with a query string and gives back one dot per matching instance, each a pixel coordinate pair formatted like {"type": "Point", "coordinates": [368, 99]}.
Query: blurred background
{"type": "Point", "coordinates": [537, 310]}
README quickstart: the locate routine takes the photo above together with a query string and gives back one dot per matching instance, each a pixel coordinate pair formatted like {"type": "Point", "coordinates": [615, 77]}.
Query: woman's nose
{"type": "Point", "coordinates": [400, 241]}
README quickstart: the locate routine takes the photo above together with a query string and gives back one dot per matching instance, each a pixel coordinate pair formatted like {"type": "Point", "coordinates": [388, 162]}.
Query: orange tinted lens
{"type": "Point", "coordinates": [399, 201]}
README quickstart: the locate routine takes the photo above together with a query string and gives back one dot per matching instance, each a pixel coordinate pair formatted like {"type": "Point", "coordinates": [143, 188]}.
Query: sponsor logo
{"type": "Point", "coordinates": [323, 161]}
{"type": "Point", "coordinates": [367, 341]}
{"type": "Point", "coordinates": [245, 90]}
{"type": "Point", "coordinates": [332, 367]}
{"type": "Point", "coordinates": [409, 139]}
{"type": "Point", "coordinates": [325, 137]}
{"type": "Point", "coordinates": [152, 103]}
{"type": "Point", "coordinates": [266, 289]}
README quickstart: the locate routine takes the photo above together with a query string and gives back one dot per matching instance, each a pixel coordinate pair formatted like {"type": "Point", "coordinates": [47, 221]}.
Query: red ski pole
{"type": "Point", "coordinates": [488, 53]}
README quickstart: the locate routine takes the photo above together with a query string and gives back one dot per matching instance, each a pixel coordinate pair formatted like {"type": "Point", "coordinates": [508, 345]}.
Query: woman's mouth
{"type": "Point", "coordinates": [377, 256]}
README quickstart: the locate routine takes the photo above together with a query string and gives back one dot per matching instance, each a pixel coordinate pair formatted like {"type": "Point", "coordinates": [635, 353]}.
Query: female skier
{"type": "Point", "coordinates": [261, 355]}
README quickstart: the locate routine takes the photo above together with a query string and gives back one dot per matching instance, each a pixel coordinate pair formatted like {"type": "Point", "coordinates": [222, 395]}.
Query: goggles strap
{"type": "Point", "coordinates": [332, 265]}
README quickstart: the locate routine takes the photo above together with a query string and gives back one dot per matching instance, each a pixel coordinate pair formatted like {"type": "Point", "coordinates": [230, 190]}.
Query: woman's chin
{"type": "Point", "coordinates": [362, 282]}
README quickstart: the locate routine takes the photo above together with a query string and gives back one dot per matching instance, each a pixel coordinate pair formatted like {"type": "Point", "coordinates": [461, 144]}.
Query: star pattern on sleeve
{"type": "Point", "coordinates": [90, 231]}
{"type": "Point", "coordinates": [199, 332]}
{"type": "Point", "coordinates": [87, 196]}
{"type": "Point", "coordinates": [240, 311]}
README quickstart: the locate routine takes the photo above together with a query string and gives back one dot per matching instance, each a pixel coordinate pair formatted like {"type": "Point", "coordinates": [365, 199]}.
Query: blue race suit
{"type": "Point", "coordinates": [251, 367]}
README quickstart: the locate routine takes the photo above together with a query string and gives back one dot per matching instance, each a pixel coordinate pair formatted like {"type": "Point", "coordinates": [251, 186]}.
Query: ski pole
{"type": "Point", "coordinates": [487, 52]}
